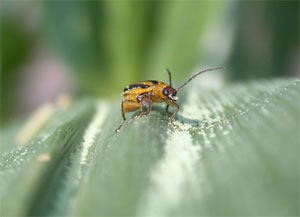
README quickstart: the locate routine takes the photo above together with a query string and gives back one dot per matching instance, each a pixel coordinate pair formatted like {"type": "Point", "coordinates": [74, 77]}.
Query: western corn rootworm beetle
{"type": "Point", "coordinates": [140, 95]}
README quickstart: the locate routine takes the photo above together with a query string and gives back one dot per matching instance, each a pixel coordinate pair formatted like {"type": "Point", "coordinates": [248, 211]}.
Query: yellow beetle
{"type": "Point", "coordinates": [143, 94]}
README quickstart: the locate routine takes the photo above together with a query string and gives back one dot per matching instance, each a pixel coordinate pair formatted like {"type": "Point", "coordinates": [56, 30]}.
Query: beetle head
{"type": "Point", "coordinates": [170, 93]}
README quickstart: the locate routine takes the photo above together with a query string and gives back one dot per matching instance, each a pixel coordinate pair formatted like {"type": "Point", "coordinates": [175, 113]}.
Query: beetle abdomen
{"type": "Point", "coordinates": [130, 106]}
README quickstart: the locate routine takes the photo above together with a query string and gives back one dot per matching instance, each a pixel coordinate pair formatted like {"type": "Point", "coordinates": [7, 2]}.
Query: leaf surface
{"type": "Point", "coordinates": [235, 152]}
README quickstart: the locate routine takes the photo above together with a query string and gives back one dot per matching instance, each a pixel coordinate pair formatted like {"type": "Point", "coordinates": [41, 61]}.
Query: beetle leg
{"type": "Point", "coordinates": [174, 114]}
{"type": "Point", "coordinates": [137, 115]}
{"type": "Point", "coordinates": [140, 113]}
{"type": "Point", "coordinates": [143, 101]}
{"type": "Point", "coordinates": [168, 110]}
{"type": "Point", "coordinates": [149, 106]}
{"type": "Point", "coordinates": [118, 129]}
{"type": "Point", "coordinates": [123, 112]}
{"type": "Point", "coordinates": [123, 116]}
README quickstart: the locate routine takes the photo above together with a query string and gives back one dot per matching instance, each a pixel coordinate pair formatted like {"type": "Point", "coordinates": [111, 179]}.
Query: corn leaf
{"type": "Point", "coordinates": [235, 152]}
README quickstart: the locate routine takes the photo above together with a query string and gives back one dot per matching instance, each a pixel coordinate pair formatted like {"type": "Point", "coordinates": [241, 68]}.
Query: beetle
{"type": "Point", "coordinates": [143, 94]}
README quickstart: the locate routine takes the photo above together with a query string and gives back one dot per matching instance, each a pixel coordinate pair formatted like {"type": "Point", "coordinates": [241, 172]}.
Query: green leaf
{"type": "Point", "coordinates": [235, 152]}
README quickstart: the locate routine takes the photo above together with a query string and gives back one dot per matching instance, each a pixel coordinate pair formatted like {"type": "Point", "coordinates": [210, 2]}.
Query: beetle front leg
{"type": "Point", "coordinates": [167, 110]}
{"type": "Point", "coordinates": [170, 103]}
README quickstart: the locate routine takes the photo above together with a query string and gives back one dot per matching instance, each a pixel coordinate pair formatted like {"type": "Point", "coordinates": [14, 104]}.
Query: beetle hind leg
{"type": "Point", "coordinates": [121, 124]}
{"type": "Point", "coordinates": [123, 111]}
{"type": "Point", "coordinates": [123, 116]}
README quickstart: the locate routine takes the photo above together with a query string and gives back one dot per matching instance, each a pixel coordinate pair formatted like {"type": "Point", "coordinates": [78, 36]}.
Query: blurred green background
{"type": "Point", "coordinates": [96, 48]}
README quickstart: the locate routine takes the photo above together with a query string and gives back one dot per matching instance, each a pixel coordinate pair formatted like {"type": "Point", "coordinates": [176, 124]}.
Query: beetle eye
{"type": "Point", "coordinates": [165, 92]}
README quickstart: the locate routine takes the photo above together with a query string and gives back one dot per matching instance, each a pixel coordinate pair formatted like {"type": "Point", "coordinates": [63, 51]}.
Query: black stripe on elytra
{"type": "Point", "coordinates": [153, 81]}
{"type": "Point", "coordinates": [134, 86]}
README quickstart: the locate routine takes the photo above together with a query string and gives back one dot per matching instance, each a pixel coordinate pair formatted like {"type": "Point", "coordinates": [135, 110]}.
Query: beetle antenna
{"type": "Point", "coordinates": [170, 77]}
{"type": "Point", "coordinates": [198, 73]}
